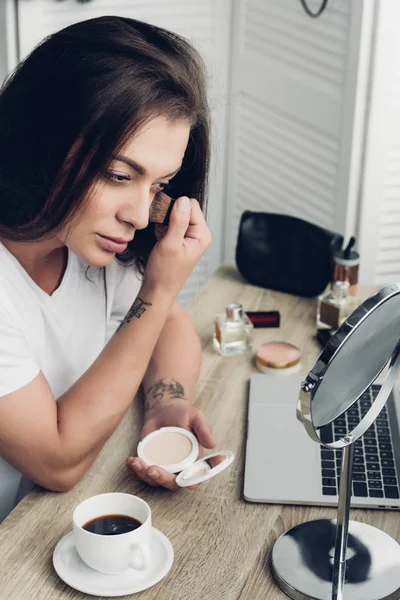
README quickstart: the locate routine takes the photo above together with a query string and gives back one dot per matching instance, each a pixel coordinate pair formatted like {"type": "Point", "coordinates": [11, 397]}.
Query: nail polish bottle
{"type": "Point", "coordinates": [233, 331]}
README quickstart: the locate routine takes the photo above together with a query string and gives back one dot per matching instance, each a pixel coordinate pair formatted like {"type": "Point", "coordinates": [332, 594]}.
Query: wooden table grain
{"type": "Point", "coordinates": [222, 544]}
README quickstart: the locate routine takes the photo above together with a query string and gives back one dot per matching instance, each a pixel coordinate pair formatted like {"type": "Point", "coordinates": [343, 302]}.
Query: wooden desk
{"type": "Point", "coordinates": [222, 543]}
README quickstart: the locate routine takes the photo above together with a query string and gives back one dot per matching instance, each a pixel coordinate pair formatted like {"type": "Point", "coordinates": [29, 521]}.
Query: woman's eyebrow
{"type": "Point", "coordinates": [138, 168]}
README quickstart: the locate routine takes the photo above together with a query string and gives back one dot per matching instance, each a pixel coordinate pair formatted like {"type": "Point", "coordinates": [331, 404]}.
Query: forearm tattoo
{"type": "Point", "coordinates": [136, 310]}
{"type": "Point", "coordinates": [162, 391]}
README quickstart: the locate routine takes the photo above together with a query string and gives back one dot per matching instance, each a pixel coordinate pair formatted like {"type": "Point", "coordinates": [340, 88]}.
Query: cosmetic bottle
{"type": "Point", "coordinates": [233, 331]}
{"type": "Point", "coordinates": [334, 307]}
{"type": "Point", "coordinates": [339, 301]}
{"type": "Point", "coordinates": [347, 263]}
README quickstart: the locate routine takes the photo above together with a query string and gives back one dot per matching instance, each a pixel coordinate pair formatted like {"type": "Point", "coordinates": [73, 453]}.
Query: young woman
{"type": "Point", "coordinates": [101, 117]}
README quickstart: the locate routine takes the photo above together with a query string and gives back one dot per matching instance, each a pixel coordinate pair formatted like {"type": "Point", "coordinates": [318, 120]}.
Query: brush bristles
{"type": "Point", "coordinates": [159, 212]}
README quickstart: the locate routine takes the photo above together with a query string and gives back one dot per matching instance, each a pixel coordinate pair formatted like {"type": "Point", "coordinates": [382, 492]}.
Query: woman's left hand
{"type": "Point", "coordinates": [177, 413]}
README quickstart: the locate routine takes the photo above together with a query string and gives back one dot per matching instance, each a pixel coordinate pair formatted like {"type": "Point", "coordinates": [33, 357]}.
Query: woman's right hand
{"type": "Point", "coordinates": [176, 254]}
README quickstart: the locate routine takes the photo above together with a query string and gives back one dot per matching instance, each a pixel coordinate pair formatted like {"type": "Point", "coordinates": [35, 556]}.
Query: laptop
{"type": "Point", "coordinates": [284, 466]}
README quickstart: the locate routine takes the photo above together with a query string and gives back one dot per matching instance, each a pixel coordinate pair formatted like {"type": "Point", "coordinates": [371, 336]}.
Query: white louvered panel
{"type": "Point", "coordinates": [337, 8]}
{"type": "Point", "coordinates": [8, 37]}
{"type": "Point", "coordinates": [298, 163]}
{"type": "Point", "coordinates": [206, 23]}
{"type": "Point", "coordinates": [3, 43]}
{"type": "Point", "coordinates": [192, 18]}
{"type": "Point", "coordinates": [317, 49]}
{"type": "Point", "coordinates": [292, 115]}
{"type": "Point", "coordinates": [388, 254]}
{"type": "Point", "coordinates": [380, 215]}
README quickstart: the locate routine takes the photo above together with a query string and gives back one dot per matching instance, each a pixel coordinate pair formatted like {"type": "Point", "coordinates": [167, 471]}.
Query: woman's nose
{"type": "Point", "coordinates": [136, 211]}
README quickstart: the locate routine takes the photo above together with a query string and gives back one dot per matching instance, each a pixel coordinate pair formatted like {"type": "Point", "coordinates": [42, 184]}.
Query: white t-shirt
{"type": "Point", "coordinates": [60, 335]}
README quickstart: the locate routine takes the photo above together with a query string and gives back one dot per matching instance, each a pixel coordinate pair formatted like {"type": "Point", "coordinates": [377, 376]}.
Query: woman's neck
{"type": "Point", "coordinates": [44, 261]}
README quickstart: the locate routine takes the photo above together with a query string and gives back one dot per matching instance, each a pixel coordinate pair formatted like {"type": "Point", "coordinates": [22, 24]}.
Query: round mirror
{"type": "Point", "coordinates": [343, 375]}
{"type": "Point", "coordinates": [355, 356]}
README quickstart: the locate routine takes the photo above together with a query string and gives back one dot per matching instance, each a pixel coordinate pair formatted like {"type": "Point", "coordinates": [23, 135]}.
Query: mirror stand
{"type": "Point", "coordinates": [337, 560]}
{"type": "Point", "coordinates": [342, 523]}
{"type": "Point", "coordinates": [342, 559]}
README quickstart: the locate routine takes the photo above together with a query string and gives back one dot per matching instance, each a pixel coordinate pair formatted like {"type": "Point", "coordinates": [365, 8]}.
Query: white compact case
{"type": "Point", "coordinates": [176, 450]}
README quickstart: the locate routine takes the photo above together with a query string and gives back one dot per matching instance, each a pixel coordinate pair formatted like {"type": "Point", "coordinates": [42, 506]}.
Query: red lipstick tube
{"type": "Point", "coordinates": [269, 318]}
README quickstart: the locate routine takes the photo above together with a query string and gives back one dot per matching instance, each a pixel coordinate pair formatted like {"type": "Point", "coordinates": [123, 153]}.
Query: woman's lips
{"type": "Point", "coordinates": [112, 245]}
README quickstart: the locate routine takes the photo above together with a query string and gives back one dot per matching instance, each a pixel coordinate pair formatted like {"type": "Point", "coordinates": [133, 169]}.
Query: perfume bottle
{"type": "Point", "coordinates": [339, 301]}
{"type": "Point", "coordinates": [232, 332]}
{"type": "Point", "coordinates": [334, 306]}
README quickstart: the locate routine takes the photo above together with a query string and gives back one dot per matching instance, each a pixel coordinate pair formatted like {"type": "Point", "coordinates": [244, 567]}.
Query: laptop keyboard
{"type": "Point", "coordinates": [374, 470]}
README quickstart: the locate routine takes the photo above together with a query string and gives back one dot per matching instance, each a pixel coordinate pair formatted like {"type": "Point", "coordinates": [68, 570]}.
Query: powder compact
{"type": "Point", "coordinates": [176, 450]}
{"type": "Point", "coordinates": [278, 358]}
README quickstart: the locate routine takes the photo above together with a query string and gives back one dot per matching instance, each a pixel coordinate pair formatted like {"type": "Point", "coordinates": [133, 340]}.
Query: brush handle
{"type": "Point", "coordinates": [168, 213]}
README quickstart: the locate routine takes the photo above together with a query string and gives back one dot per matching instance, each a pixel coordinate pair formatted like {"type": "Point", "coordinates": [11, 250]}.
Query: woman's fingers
{"type": "Point", "coordinates": [216, 460]}
{"type": "Point", "coordinates": [179, 220]}
{"type": "Point", "coordinates": [136, 466]}
{"type": "Point", "coordinates": [162, 478]}
{"type": "Point", "coordinates": [155, 476]}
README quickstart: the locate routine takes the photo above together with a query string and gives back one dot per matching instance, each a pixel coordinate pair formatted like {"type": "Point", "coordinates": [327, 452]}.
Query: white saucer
{"type": "Point", "coordinates": [73, 571]}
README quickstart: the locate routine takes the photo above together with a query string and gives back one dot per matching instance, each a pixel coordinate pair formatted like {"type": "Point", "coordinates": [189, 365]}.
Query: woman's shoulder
{"type": "Point", "coordinates": [8, 308]}
{"type": "Point", "coordinates": [8, 282]}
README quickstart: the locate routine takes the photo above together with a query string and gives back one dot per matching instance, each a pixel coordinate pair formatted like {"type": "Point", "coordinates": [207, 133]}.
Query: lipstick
{"type": "Point", "coordinates": [266, 318]}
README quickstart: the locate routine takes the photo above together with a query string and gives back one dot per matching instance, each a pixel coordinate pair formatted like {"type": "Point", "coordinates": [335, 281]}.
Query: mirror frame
{"type": "Point", "coordinates": [315, 376]}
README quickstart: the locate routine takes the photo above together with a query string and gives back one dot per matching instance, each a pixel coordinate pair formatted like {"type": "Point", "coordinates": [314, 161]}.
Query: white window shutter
{"type": "Point", "coordinates": [297, 97]}
{"type": "Point", "coordinates": [380, 214]}
{"type": "Point", "coordinates": [8, 38]}
{"type": "Point", "coordinates": [206, 23]}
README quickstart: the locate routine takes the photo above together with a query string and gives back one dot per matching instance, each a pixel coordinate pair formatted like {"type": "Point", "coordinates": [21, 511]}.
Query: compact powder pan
{"type": "Point", "coordinates": [171, 448]}
{"type": "Point", "coordinates": [278, 358]}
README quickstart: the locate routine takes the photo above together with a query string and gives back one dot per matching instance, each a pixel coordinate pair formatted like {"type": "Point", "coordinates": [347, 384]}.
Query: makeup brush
{"type": "Point", "coordinates": [160, 208]}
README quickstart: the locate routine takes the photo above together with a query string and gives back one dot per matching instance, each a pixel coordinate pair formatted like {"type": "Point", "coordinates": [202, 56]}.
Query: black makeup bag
{"type": "Point", "coordinates": [284, 253]}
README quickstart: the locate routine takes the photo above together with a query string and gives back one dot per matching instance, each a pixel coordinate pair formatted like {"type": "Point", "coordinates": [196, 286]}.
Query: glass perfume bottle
{"type": "Point", "coordinates": [334, 306]}
{"type": "Point", "coordinates": [232, 331]}
{"type": "Point", "coordinates": [339, 301]}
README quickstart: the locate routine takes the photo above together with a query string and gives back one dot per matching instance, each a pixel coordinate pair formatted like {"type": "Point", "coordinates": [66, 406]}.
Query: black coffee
{"type": "Point", "coordinates": [112, 524]}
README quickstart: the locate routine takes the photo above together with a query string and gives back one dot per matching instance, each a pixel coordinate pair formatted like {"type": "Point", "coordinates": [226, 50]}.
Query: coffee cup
{"type": "Point", "coordinates": [112, 532]}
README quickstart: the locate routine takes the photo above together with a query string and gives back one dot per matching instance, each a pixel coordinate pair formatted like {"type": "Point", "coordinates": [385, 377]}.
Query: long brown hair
{"type": "Point", "coordinates": [74, 102]}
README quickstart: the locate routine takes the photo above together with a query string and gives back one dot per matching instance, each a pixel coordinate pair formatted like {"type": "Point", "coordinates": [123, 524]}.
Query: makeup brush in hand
{"type": "Point", "coordinates": [160, 208]}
